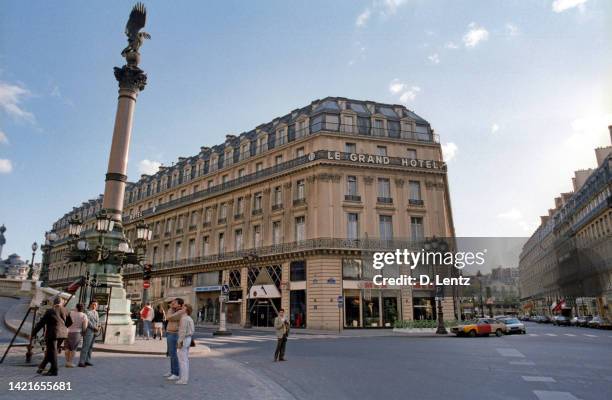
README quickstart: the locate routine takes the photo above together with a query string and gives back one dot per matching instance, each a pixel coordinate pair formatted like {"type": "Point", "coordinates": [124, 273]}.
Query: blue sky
{"type": "Point", "coordinates": [519, 91]}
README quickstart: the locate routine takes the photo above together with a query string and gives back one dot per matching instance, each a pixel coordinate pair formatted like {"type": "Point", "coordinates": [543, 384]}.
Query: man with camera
{"type": "Point", "coordinates": [93, 327]}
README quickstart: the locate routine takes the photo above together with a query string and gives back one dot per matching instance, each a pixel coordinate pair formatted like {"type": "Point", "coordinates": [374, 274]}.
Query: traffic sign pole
{"type": "Point", "coordinates": [223, 298]}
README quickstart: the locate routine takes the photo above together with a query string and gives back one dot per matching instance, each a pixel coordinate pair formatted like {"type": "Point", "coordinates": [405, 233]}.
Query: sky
{"type": "Point", "coordinates": [519, 91]}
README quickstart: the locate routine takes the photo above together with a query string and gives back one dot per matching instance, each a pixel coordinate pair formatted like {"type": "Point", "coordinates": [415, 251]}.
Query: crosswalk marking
{"type": "Point", "coordinates": [552, 395]}
{"type": "Point", "coordinates": [533, 334]}
{"type": "Point", "coordinates": [506, 352]}
{"type": "Point", "coordinates": [586, 334]}
{"type": "Point", "coordinates": [569, 334]}
{"type": "Point", "coordinates": [228, 340]}
{"type": "Point", "coordinates": [539, 379]}
{"type": "Point", "coordinates": [551, 334]}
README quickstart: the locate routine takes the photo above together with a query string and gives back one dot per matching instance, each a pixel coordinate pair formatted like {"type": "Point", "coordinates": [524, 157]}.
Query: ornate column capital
{"type": "Point", "coordinates": [131, 78]}
{"type": "Point", "coordinates": [399, 182]}
{"type": "Point", "coordinates": [368, 180]}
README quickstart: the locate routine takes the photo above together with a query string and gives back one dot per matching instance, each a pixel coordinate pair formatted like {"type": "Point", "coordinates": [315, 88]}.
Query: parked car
{"type": "Point", "coordinates": [561, 320]}
{"type": "Point", "coordinates": [481, 327]}
{"type": "Point", "coordinates": [574, 321]}
{"type": "Point", "coordinates": [513, 325]}
{"type": "Point", "coordinates": [584, 320]}
{"type": "Point", "coordinates": [600, 323]}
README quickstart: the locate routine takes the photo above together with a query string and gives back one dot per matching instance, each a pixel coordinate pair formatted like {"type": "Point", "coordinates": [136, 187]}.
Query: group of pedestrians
{"type": "Point", "coordinates": [67, 328]}
{"type": "Point", "coordinates": [152, 320]}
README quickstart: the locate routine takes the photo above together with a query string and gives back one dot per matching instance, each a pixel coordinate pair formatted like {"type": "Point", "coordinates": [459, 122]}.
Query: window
{"type": "Point", "coordinates": [205, 246]}
{"type": "Point", "coordinates": [177, 251]}
{"type": "Point", "coordinates": [363, 125]}
{"type": "Point", "coordinates": [384, 188]}
{"type": "Point", "coordinates": [224, 178]}
{"type": "Point", "coordinates": [210, 183]}
{"type": "Point", "coordinates": [351, 185]}
{"type": "Point", "coordinates": [348, 123]}
{"type": "Point", "coordinates": [381, 150]}
{"type": "Point", "coordinates": [208, 215]}
{"type": "Point", "coordinates": [416, 228]}
{"type": "Point", "coordinates": [181, 222]}
{"type": "Point", "coordinates": [351, 269]}
{"type": "Point", "coordinates": [411, 154]}
{"type": "Point", "coordinates": [238, 237]}
{"type": "Point", "coordinates": [278, 196]}
{"type": "Point", "coordinates": [169, 225]}
{"type": "Point", "coordinates": [386, 227]}
{"type": "Point", "coordinates": [221, 243]}
{"type": "Point", "coordinates": [194, 218]}
{"type": "Point", "coordinates": [258, 166]}
{"type": "Point", "coordinates": [299, 152]}
{"type": "Point", "coordinates": [278, 159]}
{"type": "Point", "coordinates": [379, 129]}
{"type": "Point", "coordinates": [223, 211]}
{"type": "Point", "coordinates": [240, 172]}
{"type": "Point", "coordinates": [276, 232]}
{"type": "Point", "coordinates": [315, 123]}
{"type": "Point", "coordinates": [240, 206]}
{"type": "Point", "coordinates": [300, 229]}
{"type": "Point", "coordinates": [300, 190]}
{"type": "Point", "coordinates": [257, 201]}
{"type": "Point", "coordinates": [191, 249]}
{"type": "Point", "coordinates": [297, 271]}
{"type": "Point", "coordinates": [415, 190]}
{"type": "Point", "coordinates": [166, 252]}
{"type": "Point", "coordinates": [257, 236]}
{"type": "Point", "coordinates": [394, 129]}
{"type": "Point", "coordinates": [350, 148]}
{"type": "Point", "coordinates": [154, 255]}
{"type": "Point", "coordinates": [332, 122]}
{"type": "Point", "coordinates": [352, 227]}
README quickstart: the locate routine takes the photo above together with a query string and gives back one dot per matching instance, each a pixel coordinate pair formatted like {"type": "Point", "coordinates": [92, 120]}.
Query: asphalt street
{"type": "Point", "coordinates": [548, 363]}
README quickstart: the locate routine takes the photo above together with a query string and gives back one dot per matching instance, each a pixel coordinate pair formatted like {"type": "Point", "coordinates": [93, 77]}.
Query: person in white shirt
{"type": "Point", "coordinates": [186, 330]}
{"type": "Point", "coordinates": [75, 331]}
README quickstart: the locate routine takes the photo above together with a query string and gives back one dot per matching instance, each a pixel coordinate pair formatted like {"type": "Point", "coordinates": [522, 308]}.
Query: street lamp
{"type": "Point", "coordinates": [104, 223]}
{"type": "Point", "coordinates": [143, 235]}
{"type": "Point", "coordinates": [479, 277]}
{"type": "Point", "coordinates": [74, 226]}
{"type": "Point", "coordinates": [31, 271]}
{"type": "Point", "coordinates": [436, 245]}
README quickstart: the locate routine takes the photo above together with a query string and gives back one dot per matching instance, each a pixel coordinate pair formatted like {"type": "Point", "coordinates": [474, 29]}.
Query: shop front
{"type": "Point", "coordinates": [208, 303]}
{"type": "Point", "coordinates": [423, 305]}
{"type": "Point", "coordinates": [371, 308]}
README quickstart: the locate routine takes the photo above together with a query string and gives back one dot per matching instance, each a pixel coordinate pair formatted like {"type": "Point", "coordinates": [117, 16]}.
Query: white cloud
{"type": "Point", "coordinates": [564, 5]}
{"type": "Point", "coordinates": [451, 45]}
{"type": "Point", "coordinates": [396, 86]}
{"type": "Point", "coordinates": [434, 58]}
{"type": "Point", "coordinates": [148, 167]}
{"type": "Point", "coordinates": [475, 35]}
{"type": "Point", "coordinates": [511, 29]}
{"type": "Point", "coordinates": [494, 128]}
{"type": "Point", "coordinates": [11, 97]}
{"type": "Point", "coordinates": [3, 138]}
{"type": "Point", "coordinates": [5, 166]}
{"type": "Point", "coordinates": [390, 6]}
{"type": "Point", "coordinates": [409, 95]}
{"type": "Point", "coordinates": [449, 151]}
{"type": "Point", "coordinates": [590, 131]}
{"type": "Point", "coordinates": [363, 18]}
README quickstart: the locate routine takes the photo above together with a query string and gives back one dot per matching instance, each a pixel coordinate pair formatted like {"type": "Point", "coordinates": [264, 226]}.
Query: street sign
{"type": "Point", "coordinates": [225, 289]}
{"type": "Point", "coordinates": [146, 284]}
{"type": "Point", "coordinates": [223, 298]}
{"type": "Point", "coordinates": [340, 301]}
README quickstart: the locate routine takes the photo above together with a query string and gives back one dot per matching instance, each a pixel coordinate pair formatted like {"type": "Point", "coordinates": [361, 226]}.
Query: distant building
{"type": "Point", "coordinates": [14, 267]}
{"type": "Point", "coordinates": [499, 290]}
{"type": "Point", "coordinates": [566, 265]}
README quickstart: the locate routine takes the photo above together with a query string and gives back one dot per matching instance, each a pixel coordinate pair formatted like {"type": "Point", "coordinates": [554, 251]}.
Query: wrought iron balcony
{"type": "Point", "coordinates": [299, 202]}
{"type": "Point", "coordinates": [257, 211]}
{"type": "Point", "coordinates": [416, 202]}
{"type": "Point", "coordinates": [221, 221]}
{"type": "Point", "coordinates": [207, 224]}
{"type": "Point", "coordinates": [384, 200]}
{"type": "Point", "coordinates": [352, 197]}
{"type": "Point", "coordinates": [239, 216]}
{"type": "Point", "coordinates": [276, 207]}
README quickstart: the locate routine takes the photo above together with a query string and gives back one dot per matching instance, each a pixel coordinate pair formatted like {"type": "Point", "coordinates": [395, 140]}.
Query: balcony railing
{"type": "Point", "coordinates": [299, 202]}
{"type": "Point", "coordinates": [416, 202]}
{"type": "Point", "coordinates": [257, 211]}
{"type": "Point", "coordinates": [207, 224]}
{"type": "Point", "coordinates": [384, 200]}
{"type": "Point", "coordinates": [239, 216]}
{"type": "Point", "coordinates": [276, 207]}
{"type": "Point", "coordinates": [352, 197]}
{"type": "Point", "coordinates": [374, 244]}
{"type": "Point", "coordinates": [221, 221]}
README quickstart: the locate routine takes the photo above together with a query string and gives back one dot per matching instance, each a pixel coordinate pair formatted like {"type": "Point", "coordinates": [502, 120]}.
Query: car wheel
{"type": "Point", "coordinates": [498, 333]}
{"type": "Point", "coordinates": [472, 333]}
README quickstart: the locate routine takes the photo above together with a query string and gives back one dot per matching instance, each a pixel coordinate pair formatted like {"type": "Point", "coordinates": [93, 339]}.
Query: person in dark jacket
{"type": "Point", "coordinates": [54, 322]}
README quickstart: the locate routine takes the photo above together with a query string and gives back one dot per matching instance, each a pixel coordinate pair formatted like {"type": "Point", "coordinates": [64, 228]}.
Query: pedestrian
{"type": "Point", "coordinates": [75, 331]}
{"type": "Point", "coordinates": [93, 327]}
{"type": "Point", "coordinates": [185, 341]}
{"type": "Point", "coordinates": [147, 315]}
{"type": "Point", "coordinates": [54, 322]}
{"type": "Point", "coordinates": [158, 322]}
{"type": "Point", "coordinates": [281, 325]}
{"type": "Point", "coordinates": [173, 318]}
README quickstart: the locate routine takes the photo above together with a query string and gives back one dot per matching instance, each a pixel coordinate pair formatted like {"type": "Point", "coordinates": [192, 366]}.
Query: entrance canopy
{"type": "Point", "coordinates": [269, 291]}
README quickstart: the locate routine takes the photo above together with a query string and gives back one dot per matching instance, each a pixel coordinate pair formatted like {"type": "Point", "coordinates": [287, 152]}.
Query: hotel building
{"type": "Point", "coordinates": [566, 265]}
{"type": "Point", "coordinates": [288, 215]}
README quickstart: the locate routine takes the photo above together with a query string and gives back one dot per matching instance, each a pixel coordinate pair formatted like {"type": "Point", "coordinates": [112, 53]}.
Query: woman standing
{"type": "Point", "coordinates": [186, 330]}
{"type": "Point", "coordinates": [158, 322]}
{"type": "Point", "coordinates": [75, 331]}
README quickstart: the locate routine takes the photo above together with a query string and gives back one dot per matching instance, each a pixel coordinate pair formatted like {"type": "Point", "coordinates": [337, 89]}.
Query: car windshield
{"type": "Point", "coordinates": [511, 321]}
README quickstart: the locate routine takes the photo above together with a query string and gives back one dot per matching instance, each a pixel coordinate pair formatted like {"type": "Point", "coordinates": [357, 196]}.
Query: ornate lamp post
{"type": "Point", "coordinates": [50, 237]}
{"type": "Point", "coordinates": [143, 235]}
{"type": "Point", "coordinates": [31, 270]}
{"type": "Point", "coordinates": [110, 248]}
{"type": "Point", "coordinates": [436, 245]}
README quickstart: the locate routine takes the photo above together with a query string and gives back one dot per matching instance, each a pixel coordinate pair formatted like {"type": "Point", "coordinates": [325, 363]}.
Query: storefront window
{"type": "Point", "coordinates": [351, 311]}
{"type": "Point", "coordinates": [371, 309]}
{"type": "Point", "coordinates": [297, 271]}
{"type": "Point", "coordinates": [297, 313]}
{"type": "Point", "coordinates": [424, 308]}
{"type": "Point", "coordinates": [351, 269]}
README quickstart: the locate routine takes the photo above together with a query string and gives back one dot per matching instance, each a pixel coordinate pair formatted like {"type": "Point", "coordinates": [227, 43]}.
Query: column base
{"type": "Point", "coordinates": [120, 334]}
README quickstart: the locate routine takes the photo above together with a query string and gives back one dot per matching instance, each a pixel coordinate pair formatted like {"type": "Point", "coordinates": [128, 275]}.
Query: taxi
{"type": "Point", "coordinates": [480, 327]}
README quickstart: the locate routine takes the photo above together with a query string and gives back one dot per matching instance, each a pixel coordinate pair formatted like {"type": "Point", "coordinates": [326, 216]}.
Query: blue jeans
{"type": "Point", "coordinates": [172, 340]}
{"type": "Point", "coordinates": [146, 328]}
{"type": "Point", "coordinates": [88, 342]}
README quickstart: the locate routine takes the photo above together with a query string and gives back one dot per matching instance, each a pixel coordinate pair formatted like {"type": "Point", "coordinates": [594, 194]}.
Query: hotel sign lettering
{"type": "Point", "coordinates": [385, 160]}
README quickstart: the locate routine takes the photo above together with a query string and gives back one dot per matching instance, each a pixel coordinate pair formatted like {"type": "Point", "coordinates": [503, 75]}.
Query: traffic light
{"type": "Point", "coordinates": [146, 274]}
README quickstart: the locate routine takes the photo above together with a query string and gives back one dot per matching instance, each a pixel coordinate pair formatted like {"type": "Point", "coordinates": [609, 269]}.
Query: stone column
{"type": "Point", "coordinates": [131, 81]}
